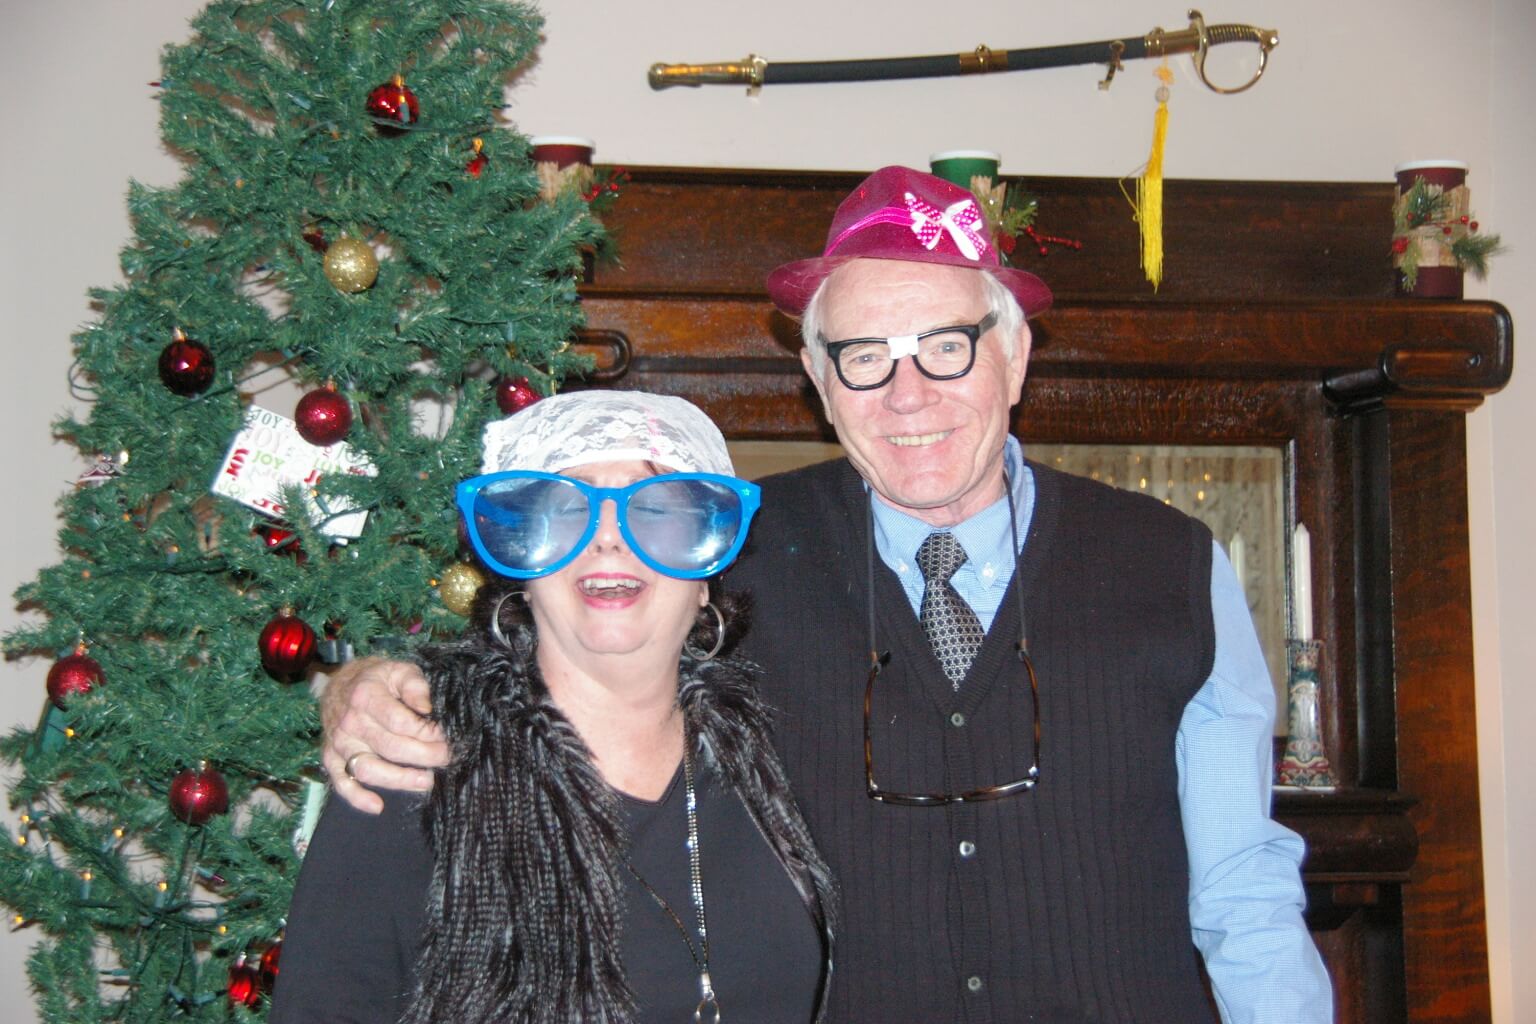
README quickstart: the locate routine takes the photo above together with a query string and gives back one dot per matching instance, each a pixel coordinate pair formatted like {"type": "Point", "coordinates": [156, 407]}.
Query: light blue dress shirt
{"type": "Point", "coordinates": [1245, 892]}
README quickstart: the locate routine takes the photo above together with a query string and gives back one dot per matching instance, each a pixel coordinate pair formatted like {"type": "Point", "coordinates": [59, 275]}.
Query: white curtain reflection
{"type": "Point", "coordinates": [1236, 491]}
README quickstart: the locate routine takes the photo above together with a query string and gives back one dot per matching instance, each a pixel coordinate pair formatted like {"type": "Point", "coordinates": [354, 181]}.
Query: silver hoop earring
{"type": "Point", "coordinates": [719, 638]}
{"type": "Point", "coordinates": [496, 615]}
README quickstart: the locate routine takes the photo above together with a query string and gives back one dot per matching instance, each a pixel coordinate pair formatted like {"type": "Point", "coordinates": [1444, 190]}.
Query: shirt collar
{"type": "Point", "coordinates": [985, 535]}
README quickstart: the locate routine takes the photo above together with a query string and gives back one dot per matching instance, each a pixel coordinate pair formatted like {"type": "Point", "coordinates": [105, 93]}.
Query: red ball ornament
{"type": "Point", "coordinates": [1399, 245]}
{"type": "Point", "coordinates": [281, 541]}
{"type": "Point", "coordinates": [269, 963]}
{"type": "Point", "coordinates": [244, 986]}
{"type": "Point", "coordinates": [197, 794]}
{"type": "Point", "coordinates": [514, 393]}
{"type": "Point", "coordinates": [1473, 225]}
{"type": "Point", "coordinates": [186, 366]}
{"type": "Point", "coordinates": [287, 646]}
{"type": "Point", "coordinates": [392, 101]}
{"type": "Point", "coordinates": [323, 417]}
{"type": "Point", "coordinates": [478, 161]}
{"type": "Point", "coordinates": [75, 673]}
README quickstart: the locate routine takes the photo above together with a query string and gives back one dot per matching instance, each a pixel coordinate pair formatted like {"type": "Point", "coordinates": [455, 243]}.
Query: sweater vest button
{"type": "Point", "coordinates": [957, 720]}
{"type": "Point", "coordinates": [973, 983]}
{"type": "Point", "coordinates": [967, 848]}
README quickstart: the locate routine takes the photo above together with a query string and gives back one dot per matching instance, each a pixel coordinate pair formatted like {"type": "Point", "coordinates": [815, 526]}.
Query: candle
{"type": "Point", "coordinates": [1237, 554]}
{"type": "Point", "coordinates": [1301, 584]}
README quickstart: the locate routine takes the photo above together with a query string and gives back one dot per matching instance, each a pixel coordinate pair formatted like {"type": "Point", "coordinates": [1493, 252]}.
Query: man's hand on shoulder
{"type": "Point", "coordinates": [375, 714]}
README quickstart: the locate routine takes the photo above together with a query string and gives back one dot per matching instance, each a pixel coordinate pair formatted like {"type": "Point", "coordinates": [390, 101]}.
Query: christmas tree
{"type": "Point", "coordinates": [355, 221]}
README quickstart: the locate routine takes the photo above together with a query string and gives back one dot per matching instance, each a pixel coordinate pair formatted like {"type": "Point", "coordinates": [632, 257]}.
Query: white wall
{"type": "Point", "coordinates": [1504, 565]}
{"type": "Point", "coordinates": [1354, 89]}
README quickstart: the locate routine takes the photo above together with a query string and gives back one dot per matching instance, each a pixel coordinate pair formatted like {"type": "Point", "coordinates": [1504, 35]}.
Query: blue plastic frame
{"type": "Point", "coordinates": [749, 494]}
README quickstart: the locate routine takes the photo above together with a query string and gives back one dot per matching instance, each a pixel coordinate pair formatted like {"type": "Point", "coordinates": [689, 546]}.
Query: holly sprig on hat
{"type": "Point", "coordinates": [1010, 214]}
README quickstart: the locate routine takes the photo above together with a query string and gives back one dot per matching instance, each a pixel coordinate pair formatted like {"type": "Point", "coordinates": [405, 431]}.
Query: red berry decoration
{"type": "Point", "coordinates": [244, 985]}
{"type": "Point", "coordinates": [75, 673]}
{"type": "Point", "coordinates": [1399, 245]}
{"type": "Point", "coordinates": [186, 366]}
{"type": "Point", "coordinates": [392, 101]}
{"type": "Point", "coordinates": [269, 963]}
{"type": "Point", "coordinates": [324, 416]}
{"type": "Point", "coordinates": [197, 794]}
{"type": "Point", "coordinates": [478, 161]}
{"type": "Point", "coordinates": [1473, 225]}
{"type": "Point", "coordinates": [287, 646]}
{"type": "Point", "coordinates": [514, 393]}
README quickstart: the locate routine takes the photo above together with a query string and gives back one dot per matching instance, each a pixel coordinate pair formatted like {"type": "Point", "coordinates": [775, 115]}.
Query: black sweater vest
{"type": "Point", "coordinates": [1067, 903]}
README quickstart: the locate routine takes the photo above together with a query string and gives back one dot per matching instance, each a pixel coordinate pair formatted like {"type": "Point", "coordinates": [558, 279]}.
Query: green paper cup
{"type": "Point", "coordinates": [961, 165]}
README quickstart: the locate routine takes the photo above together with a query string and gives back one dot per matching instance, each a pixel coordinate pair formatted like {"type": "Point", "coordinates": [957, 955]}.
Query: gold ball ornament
{"type": "Point", "coordinates": [350, 265]}
{"type": "Point", "coordinates": [459, 585]}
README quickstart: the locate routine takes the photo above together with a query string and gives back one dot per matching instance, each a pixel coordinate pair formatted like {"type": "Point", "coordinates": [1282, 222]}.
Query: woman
{"type": "Point", "coordinates": [614, 839]}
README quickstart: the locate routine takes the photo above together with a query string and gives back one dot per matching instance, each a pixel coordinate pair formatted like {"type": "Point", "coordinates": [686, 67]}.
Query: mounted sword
{"type": "Point", "coordinates": [756, 72]}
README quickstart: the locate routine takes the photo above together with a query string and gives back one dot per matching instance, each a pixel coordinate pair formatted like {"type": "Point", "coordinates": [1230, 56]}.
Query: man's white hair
{"type": "Point", "coordinates": [1010, 317]}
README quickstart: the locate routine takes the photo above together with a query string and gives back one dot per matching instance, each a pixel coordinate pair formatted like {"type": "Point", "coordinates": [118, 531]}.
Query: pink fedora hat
{"type": "Point", "coordinates": [901, 214]}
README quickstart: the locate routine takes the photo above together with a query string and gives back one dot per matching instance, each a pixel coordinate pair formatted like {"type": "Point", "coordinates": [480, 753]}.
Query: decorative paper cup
{"type": "Point", "coordinates": [959, 166]}
{"type": "Point", "coordinates": [564, 162]}
{"type": "Point", "coordinates": [1434, 281]}
{"type": "Point", "coordinates": [562, 150]}
{"type": "Point", "coordinates": [1445, 173]}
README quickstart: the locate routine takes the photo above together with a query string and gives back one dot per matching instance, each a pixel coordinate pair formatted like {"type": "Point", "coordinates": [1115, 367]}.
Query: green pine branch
{"type": "Point", "coordinates": [1473, 251]}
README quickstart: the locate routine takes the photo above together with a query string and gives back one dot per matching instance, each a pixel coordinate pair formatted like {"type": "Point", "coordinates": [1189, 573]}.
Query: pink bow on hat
{"type": "Point", "coordinates": [959, 219]}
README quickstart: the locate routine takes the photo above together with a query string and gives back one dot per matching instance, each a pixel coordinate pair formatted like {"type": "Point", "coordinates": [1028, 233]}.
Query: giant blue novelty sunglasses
{"type": "Point", "coordinates": [525, 524]}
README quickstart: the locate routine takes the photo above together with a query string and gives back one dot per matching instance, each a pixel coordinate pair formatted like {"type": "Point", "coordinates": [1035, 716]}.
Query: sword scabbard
{"type": "Point", "coordinates": [1197, 39]}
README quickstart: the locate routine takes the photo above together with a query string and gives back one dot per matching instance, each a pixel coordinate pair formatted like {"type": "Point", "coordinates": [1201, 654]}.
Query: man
{"type": "Point", "coordinates": [1026, 715]}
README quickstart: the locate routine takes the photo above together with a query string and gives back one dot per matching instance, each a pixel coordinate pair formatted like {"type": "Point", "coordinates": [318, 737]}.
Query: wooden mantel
{"type": "Point", "coordinates": [1276, 325]}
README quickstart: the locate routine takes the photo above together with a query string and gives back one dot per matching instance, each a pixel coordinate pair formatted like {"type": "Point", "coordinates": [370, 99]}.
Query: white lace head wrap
{"type": "Point", "coordinates": [582, 427]}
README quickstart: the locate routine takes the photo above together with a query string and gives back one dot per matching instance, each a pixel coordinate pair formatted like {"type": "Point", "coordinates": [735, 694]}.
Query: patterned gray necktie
{"type": "Point", "coordinates": [953, 630]}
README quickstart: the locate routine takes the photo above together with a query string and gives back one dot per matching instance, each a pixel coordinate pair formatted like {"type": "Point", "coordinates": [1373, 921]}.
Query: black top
{"type": "Point", "coordinates": [1061, 905]}
{"type": "Point", "coordinates": [350, 947]}
{"type": "Point", "coordinates": [765, 957]}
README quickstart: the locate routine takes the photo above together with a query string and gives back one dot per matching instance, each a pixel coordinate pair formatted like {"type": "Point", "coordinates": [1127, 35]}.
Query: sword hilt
{"type": "Point", "coordinates": [1199, 37]}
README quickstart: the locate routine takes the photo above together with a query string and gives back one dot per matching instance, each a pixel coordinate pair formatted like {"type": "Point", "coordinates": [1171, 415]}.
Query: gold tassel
{"type": "Point", "coordinates": [1149, 187]}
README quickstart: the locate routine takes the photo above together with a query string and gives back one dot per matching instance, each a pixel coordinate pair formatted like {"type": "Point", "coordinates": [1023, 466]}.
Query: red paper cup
{"type": "Point", "coordinates": [1432, 282]}
{"type": "Point", "coordinates": [562, 150]}
{"type": "Point", "coordinates": [1445, 173]}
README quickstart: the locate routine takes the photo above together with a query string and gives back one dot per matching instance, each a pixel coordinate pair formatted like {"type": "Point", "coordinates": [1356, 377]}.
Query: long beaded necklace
{"type": "Point", "coordinates": [700, 954]}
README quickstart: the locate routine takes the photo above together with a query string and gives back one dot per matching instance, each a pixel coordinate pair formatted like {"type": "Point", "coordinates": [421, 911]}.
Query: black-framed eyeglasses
{"type": "Point", "coordinates": [943, 353]}
{"type": "Point", "coordinates": [885, 796]}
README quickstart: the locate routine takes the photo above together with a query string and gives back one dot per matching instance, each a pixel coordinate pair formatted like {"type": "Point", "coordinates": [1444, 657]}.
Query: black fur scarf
{"type": "Point", "coordinates": [526, 899]}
